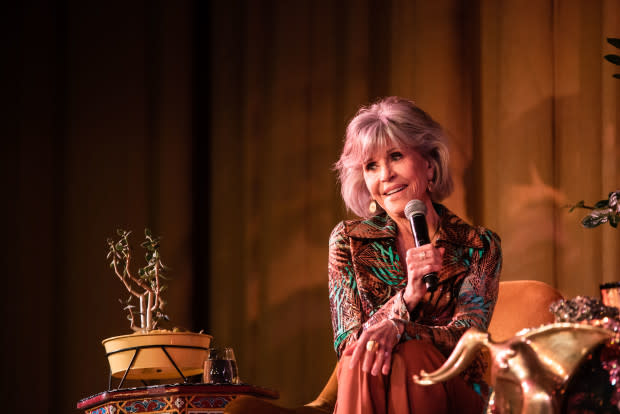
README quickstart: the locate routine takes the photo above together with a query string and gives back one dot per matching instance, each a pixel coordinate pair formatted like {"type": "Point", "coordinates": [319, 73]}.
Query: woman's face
{"type": "Point", "coordinates": [394, 176]}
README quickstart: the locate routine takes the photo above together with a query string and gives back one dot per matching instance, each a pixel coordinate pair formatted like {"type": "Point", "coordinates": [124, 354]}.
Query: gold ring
{"type": "Point", "coordinates": [371, 345]}
{"type": "Point", "coordinates": [423, 255]}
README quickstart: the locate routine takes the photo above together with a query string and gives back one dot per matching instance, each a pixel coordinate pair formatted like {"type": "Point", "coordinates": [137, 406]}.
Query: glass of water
{"type": "Point", "coordinates": [220, 367]}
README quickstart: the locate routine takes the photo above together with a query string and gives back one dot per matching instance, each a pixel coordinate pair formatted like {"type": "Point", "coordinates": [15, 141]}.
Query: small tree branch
{"type": "Point", "coordinates": [124, 279]}
{"type": "Point", "coordinates": [157, 301]}
{"type": "Point", "coordinates": [131, 318]}
{"type": "Point", "coordinates": [134, 279]}
{"type": "Point", "coordinates": [146, 285]}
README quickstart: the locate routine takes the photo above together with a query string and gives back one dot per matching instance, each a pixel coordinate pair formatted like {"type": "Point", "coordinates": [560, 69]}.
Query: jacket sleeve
{"type": "Point", "coordinates": [476, 299]}
{"type": "Point", "coordinates": [344, 296]}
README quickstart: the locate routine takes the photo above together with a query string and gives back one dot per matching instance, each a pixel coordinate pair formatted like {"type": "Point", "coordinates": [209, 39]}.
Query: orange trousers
{"type": "Point", "coordinates": [396, 393]}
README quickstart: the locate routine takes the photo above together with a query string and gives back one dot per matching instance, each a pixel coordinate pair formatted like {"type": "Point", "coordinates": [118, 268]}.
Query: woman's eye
{"type": "Point", "coordinates": [396, 156]}
{"type": "Point", "coordinates": [370, 166]}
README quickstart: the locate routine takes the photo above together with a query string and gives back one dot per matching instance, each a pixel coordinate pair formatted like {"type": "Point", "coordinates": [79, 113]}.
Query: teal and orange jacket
{"type": "Point", "coordinates": [367, 279]}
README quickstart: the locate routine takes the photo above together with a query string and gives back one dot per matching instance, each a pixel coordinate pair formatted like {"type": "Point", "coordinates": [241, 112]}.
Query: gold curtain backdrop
{"type": "Point", "coordinates": [217, 125]}
{"type": "Point", "coordinates": [522, 89]}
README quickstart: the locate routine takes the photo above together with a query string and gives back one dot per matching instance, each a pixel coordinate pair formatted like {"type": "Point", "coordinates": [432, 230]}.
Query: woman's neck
{"type": "Point", "coordinates": [405, 235]}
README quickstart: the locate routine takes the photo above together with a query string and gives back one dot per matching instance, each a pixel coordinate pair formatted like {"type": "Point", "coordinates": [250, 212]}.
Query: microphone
{"type": "Point", "coordinates": [415, 211]}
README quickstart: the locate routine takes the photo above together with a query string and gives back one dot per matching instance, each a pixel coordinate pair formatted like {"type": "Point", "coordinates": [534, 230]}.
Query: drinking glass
{"type": "Point", "coordinates": [220, 367]}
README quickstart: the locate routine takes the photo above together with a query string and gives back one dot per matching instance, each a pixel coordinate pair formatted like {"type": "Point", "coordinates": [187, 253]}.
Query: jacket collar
{"type": "Point", "coordinates": [376, 227]}
{"type": "Point", "coordinates": [452, 228]}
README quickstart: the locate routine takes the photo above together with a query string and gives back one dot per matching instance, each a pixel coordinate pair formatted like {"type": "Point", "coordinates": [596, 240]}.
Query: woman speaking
{"type": "Point", "coordinates": [388, 325]}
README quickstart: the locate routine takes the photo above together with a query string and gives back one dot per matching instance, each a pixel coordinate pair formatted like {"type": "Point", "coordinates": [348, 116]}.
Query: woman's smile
{"type": "Point", "coordinates": [394, 189]}
{"type": "Point", "coordinates": [396, 175]}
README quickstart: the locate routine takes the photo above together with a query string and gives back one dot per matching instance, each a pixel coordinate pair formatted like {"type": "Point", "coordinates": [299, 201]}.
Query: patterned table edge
{"type": "Point", "coordinates": [173, 404]}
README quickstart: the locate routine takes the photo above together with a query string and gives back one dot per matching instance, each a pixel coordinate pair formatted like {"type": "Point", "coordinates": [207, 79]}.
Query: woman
{"type": "Point", "coordinates": [387, 327]}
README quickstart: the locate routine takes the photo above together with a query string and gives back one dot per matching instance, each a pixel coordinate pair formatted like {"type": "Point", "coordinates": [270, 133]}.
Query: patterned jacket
{"type": "Point", "coordinates": [367, 279]}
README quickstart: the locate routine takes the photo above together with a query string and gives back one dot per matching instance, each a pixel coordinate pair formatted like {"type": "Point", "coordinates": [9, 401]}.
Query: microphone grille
{"type": "Point", "coordinates": [415, 207]}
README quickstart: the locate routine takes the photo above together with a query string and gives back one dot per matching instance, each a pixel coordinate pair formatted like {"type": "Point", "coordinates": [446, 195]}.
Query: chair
{"type": "Point", "coordinates": [520, 304]}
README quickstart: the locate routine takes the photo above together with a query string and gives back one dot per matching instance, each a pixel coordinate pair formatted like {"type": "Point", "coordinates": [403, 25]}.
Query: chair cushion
{"type": "Point", "coordinates": [521, 304]}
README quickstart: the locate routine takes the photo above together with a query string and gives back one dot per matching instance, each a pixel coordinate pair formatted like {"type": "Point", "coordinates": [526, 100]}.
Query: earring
{"type": "Point", "coordinates": [429, 187]}
{"type": "Point", "coordinates": [373, 207]}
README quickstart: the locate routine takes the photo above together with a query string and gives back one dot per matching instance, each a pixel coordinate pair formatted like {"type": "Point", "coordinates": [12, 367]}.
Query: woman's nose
{"type": "Point", "coordinates": [386, 172]}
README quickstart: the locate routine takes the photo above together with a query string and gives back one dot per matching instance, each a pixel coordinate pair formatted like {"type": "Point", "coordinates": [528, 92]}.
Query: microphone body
{"type": "Point", "coordinates": [415, 211]}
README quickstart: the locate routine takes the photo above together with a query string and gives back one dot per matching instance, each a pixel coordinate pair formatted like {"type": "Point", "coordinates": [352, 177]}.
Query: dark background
{"type": "Point", "coordinates": [216, 124]}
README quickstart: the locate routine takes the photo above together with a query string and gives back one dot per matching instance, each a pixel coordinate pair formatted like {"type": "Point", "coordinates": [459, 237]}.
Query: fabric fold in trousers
{"type": "Point", "coordinates": [396, 393]}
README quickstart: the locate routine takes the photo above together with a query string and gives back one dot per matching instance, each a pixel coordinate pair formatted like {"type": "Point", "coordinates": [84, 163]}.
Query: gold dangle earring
{"type": "Point", "coordinates": [372, 207]}
{"type": "Point", "coordinates": [429, 187]}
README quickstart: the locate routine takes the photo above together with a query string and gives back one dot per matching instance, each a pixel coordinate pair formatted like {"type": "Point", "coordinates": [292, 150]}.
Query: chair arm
{"type": "Point", "coordinates": [326, 400]}
{"type": "Point", "coordinates": [324, 403]}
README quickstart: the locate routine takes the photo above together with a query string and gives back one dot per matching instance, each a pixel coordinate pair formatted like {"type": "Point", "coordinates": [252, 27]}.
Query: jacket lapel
{"type": "Point", "coordinates": [375, 246]}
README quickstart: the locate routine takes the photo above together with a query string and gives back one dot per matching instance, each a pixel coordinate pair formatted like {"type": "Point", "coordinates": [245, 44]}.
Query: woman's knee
{"type": "Point", "coordinates": [418, 355]}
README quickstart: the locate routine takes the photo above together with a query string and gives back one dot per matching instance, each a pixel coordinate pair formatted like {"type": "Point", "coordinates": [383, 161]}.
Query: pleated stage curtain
{"type": "Point", "coordinates": [521, 87]}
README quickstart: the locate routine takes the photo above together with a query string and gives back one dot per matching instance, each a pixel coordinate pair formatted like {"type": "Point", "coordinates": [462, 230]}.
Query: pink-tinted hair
{"type": "Point", "coordinates": [390, 121]}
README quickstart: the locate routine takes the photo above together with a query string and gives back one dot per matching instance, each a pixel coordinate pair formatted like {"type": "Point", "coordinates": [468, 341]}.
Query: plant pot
{"type": "Point", "coordinates": [150, 353]}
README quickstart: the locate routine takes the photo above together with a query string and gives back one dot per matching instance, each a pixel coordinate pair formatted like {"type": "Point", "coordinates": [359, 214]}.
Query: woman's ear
{"type": "Point", "coordinates": [430, 171]}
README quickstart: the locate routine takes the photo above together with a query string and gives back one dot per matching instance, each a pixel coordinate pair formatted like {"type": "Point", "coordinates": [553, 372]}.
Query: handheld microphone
{"type": "Point", "coordinates": [415, 211]}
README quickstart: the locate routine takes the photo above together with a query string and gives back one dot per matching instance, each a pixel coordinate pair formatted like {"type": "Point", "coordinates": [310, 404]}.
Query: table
{"type": "Point", "coordinates": [170, 399]}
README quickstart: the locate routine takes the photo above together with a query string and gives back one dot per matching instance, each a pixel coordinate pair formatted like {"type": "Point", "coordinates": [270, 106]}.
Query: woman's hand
{"type": "Point", "coordinates": [420, 261]}
{"type": "Point", "coordinates": [373, 349]}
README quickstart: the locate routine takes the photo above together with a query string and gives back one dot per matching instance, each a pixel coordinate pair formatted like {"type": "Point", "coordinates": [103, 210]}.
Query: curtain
{"type": "Point", "coordinates": [98, 136]}
{"type": "Point", "coordinates": [217, 124]}
{"type": "Point", "coordinates": [521, 87]}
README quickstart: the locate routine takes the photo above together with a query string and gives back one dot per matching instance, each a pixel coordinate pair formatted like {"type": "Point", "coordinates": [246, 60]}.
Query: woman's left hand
{"type": "Point", "coordinates": [376, 357]}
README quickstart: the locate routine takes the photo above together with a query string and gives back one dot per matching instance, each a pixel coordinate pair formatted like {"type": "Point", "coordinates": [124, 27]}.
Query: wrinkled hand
{"type": "Point", "coordinates": [420, 261]}
{"type": "Point", "coordinates": [380, 359]}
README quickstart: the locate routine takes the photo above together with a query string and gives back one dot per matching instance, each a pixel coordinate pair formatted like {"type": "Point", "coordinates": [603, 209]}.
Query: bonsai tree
{"type": "Point", "coordinates": [146, 285]}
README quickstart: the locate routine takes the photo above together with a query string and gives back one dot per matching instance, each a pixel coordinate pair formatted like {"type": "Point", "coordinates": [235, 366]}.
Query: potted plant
{"type": "Point", "coordinates": [149, 353]}
{"type": "Point", "coordinates": [604, 211]}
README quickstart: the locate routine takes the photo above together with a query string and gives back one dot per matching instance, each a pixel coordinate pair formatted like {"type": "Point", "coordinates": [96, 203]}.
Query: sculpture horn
{"type": "Point", "coordinates": [528, 369]}
{"type": "Point", "coordinates": [462, 355]}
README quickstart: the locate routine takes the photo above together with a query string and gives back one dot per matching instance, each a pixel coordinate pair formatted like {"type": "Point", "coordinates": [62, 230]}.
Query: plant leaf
{"type": "Point", "coordinates": [579, 204]}
{"type": "Point", "coordinates": [590, 222]}
{"type": "Point", "coordinates": [601, 204]}
{"type": "Point", "coordinates": [614, 41]}
{"type": "Point", "coordinates": [595, 218]}
{"type": "Point", "coordinates": [615, 59]}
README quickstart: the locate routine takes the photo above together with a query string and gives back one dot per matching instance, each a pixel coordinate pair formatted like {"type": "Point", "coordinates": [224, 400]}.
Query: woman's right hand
{"type": "Point", "coordinates": [420, 261]}
{"type": "Point", "coordinates": [373, 349]}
